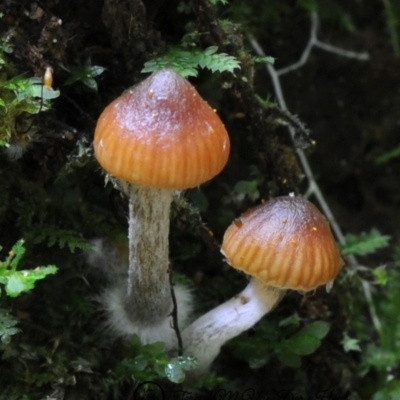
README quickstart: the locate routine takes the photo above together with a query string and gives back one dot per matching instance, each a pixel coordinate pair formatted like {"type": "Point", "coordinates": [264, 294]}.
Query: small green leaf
{"type": "Point", "coordinates": [210, 50]}
{"type": "Point", "coordinates": [7, 326]}
{"type": "Point", "coordinates": [90, 83]}
{"type": "Point", "coordinates": [85, 73]}
{"type": "Point", "coordinates": [16, 254]}
{"type": "Point", "coordinates": [380, 275]}
{"type": "Point", "coordinates": [38, 273]}
{"type": "Point", "coordinates": [37, 89]}
{"type": "Point", "coordinates": [23, 281]}
{"type": "Point", "coordinates": [350, 344]}
{"type": "Point", "coordinates": [266, 103]}
{"type": "Point", "coordinates": [154, 348]}
{"type": "Point", "coordinates": [261, 346]}
{"type": "Point", "coordinates": [366, 243]}
{"type": "Point", "coordinates": [16, 83]}
{"type": "Point", "coordinates": [302, 344]}
{"type": "Point", "coordinates": [187, 62]}
{"type": "Point", "coordinates": [319, 329]}
{"type": "Point", "coordinates": [140, 362]}
{"type": "Point", "coordinates": [62, 237]}
{"type": "Point", "coordinates": [15, 285]}
{"type": "Point", "coordinates": [246, 187]}
{"type": "Point", "coordinates": [263, 60]}
{"type": "Point", "coordinates": [96, 70]}
{"type": "Point", "coordinates": [16, 282]}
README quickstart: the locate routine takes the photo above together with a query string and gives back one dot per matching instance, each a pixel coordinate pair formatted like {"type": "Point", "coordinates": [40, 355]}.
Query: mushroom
{"type": "Point", "coordinates": [159, 136]}
{"type": "Point", "coordinates": [285, 243]}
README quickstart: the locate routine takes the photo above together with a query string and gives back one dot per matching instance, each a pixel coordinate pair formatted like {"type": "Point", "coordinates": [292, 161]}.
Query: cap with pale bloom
{"type": "Point", "coordinates": [161, 133]}
{"type": "Point", "coordinates": [285, 242]}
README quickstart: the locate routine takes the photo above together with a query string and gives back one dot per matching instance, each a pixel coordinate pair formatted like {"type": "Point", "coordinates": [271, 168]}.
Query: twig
{"type": "Point", "coordinates": [313, 188]}
{"type": "Point", "coordinates": [341, 52]}
{"type": "Point", "coordinates": [307, 50]}
{"type": "Point", "coordinates": [313, 41]}
{"type": "Point", "coordinates": [174, 314]}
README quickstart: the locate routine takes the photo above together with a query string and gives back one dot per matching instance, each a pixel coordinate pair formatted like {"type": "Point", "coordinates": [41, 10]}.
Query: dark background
{"type": "Point", "coordinates": [54, 195]}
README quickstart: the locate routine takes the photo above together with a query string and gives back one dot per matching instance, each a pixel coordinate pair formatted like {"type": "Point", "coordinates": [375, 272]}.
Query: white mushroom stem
{"type": "Point", "coordinates": [205, 336]}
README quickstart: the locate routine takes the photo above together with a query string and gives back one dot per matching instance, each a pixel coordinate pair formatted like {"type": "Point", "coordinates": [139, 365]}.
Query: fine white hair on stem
{"type": "Point", "coordinates": [313, 188]}
{"type": "Point", "coordinates": [121, 324]}
{"type": "Point", "coordinates": [105, 257]}
{"type": "Point", "coordinates": [106, 260]}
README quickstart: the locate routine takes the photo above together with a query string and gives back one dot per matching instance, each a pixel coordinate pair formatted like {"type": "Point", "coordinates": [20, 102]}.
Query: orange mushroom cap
{"type": "Point", "coordinates": [285, 242]}
{"type": "Point", "coordinates": [161, 133]}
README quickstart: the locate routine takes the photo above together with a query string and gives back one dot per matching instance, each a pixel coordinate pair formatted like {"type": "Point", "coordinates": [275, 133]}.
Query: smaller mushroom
{"type": "Point", "coordinates": [285, 243]}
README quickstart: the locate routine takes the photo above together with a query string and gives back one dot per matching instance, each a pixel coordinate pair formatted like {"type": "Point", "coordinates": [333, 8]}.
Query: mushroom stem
{"type": "Point", "coordinates": [148, 298]}
{"type": "Point", "coordinates": [205, 336]}
{"type": "Point", "coordinates": [142, 304]}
